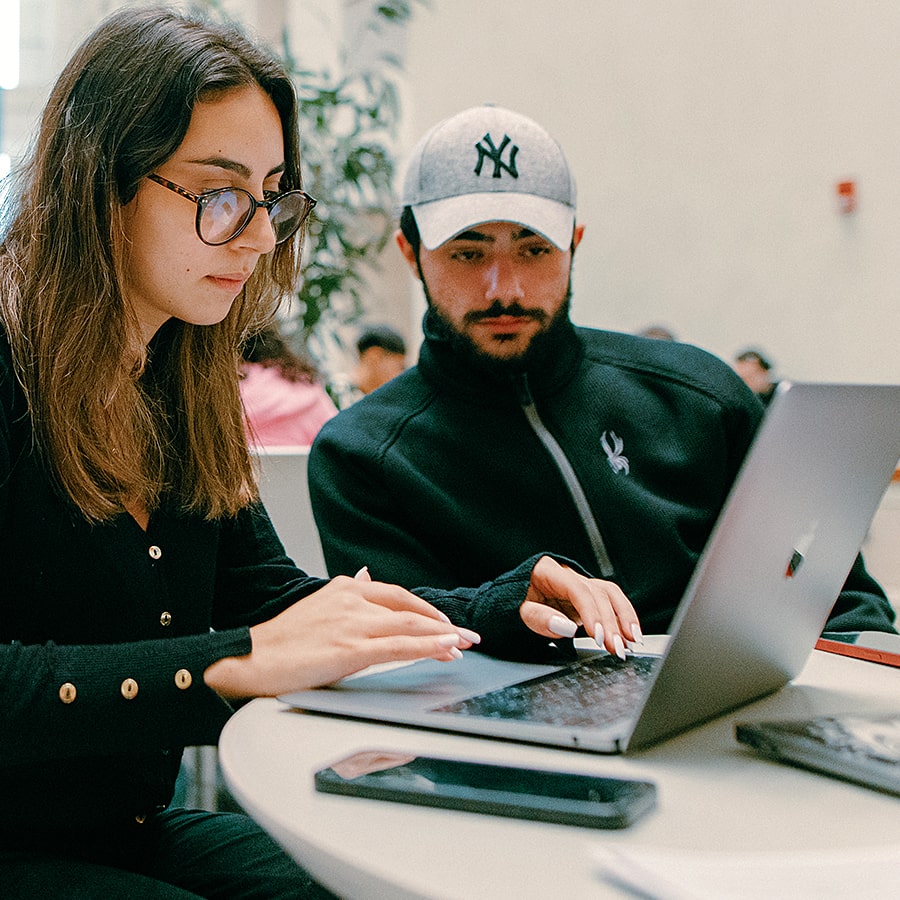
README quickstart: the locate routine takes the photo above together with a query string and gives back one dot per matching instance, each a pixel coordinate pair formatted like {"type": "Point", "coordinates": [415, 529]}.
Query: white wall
{"type": "Point", "coordinates": [707, 137]}
{"type": "Point", "coordinates": [52, 29]}
{"type": "Point", "coordinates": [707, 140]}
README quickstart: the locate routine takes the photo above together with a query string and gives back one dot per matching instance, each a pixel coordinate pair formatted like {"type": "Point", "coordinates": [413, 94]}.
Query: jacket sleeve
{"type": "Point", "coordinates": [492, 609]}
{"type": "Point", "coordinates": [862, 604]}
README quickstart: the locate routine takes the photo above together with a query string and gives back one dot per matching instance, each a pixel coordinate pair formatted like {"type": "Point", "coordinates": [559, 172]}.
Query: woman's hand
{"type": "Point", "coordinates": [600, 606]}
{"type": "Point", "coordinates": [349, 624]}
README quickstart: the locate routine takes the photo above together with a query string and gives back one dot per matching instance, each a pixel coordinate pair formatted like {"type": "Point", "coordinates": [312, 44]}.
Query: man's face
{"type": "Point", "coordinates": [754, 375]}
{"type": "Point", "coordinates": [376, 366]}
{"type": "Point", "coordinates": [498, 285]}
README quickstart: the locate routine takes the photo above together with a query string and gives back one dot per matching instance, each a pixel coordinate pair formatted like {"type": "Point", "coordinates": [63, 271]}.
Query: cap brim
{"type": "Point", "coordinates": [440, 220]}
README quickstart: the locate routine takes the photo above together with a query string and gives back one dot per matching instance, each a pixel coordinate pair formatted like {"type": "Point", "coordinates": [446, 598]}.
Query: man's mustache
{"type": "Point", "coordinates": [497, 309]}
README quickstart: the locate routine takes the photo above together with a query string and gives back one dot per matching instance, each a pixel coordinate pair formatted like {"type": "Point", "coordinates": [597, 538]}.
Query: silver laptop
{"type": "Point", "coordinates": [755, 605]}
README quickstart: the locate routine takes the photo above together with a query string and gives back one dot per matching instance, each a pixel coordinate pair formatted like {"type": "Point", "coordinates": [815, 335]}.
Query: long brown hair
{"type": "Point", "coordinates": [120, 108]}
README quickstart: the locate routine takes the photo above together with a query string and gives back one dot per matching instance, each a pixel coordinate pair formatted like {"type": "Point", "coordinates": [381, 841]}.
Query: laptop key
{"type": "Point", "coordinates": [600, 690]}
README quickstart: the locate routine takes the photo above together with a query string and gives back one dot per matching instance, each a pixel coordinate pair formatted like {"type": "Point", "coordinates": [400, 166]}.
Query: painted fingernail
{"type": "Point", "coordinates": [443, 617]}
{"type": "Point", "coordinates": [448, 640]}
{"type": "Point", "coordinates": [473, 637]}
{"type": "Point", "coordinates": [619, 646]}
{"type": "Point", "coordinates": [637, 636]}
{"type": "Point", "coordinates": [363, 574]}
{"type": "Point", "coordinates": [456, 653]}
{"type": "Point", "coordinates": [598, 634]}
{"type": "Point", "coordinates": [562, 626]}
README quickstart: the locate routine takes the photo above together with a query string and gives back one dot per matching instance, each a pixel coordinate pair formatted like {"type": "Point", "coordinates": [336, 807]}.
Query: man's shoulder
{"type": "Point", "coordinates": [634, 351]}
{"type": "Point", "coordinates": [669, 361]}
{"type": "Point", "coordinates": [378, 416]}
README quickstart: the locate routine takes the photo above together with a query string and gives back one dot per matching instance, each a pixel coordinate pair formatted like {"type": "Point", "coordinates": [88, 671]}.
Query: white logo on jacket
{"type": "Point", "coordinates": [612, 446]}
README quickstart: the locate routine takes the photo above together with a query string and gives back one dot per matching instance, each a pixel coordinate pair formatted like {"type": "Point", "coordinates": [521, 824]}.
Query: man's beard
{"type": "Point", "coordinates": [539, 349]}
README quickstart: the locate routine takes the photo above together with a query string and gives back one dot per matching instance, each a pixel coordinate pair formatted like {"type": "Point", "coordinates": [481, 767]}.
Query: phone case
{"type": "Point", "coordinates": [858, 651]}
{"type": "Point", "coordinates": [539, 795]}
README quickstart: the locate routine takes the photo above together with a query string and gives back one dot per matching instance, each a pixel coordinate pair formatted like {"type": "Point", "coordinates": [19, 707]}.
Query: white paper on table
{"type": "Point", "coordinates": [671, 874]}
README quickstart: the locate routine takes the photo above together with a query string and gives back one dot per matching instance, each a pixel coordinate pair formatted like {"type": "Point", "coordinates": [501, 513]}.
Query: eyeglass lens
{"type": "Point", "coordinates": [225, 213]}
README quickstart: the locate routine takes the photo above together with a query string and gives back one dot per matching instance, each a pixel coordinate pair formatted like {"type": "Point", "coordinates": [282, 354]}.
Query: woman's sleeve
{"type": "Point", "coordinates": [64, 700]}
{"type": "Point", "coordinates": [85, 700]}
{"type": "Point", "coordinates": [255, 578]}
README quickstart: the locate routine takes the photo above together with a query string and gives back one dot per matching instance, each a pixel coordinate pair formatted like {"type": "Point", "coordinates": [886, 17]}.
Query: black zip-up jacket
{"type": "Point", "coordinates": [618, 455]}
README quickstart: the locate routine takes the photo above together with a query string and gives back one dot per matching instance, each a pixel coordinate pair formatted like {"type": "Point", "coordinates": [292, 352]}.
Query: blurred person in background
{"type": "Point", "coordinates": [284, 402]}
{"type": "Point", "coordinates": [756, 371]}
{"type": "Point", "coordinates": [382, 356]}
{"type": "Point", "coordinates": [657, 333]}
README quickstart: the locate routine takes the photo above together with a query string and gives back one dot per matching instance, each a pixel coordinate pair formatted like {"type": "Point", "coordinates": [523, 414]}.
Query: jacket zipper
{"type": "Point", "coordinates": [568, 473]}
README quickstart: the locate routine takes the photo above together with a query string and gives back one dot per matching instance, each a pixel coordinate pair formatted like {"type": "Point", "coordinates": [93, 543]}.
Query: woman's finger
{"type": "Point", "coordinates": [416, 616]}
{"type": "Point", "coordinates": [601, 606]}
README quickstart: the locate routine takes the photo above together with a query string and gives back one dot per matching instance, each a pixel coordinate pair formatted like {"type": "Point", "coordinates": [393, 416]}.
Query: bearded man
{"type": "Point", "coordinates": [518, 433]}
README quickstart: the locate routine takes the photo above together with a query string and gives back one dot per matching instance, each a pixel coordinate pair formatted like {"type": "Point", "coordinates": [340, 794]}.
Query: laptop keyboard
{"type": "Point", "coordinates": [598, 691]}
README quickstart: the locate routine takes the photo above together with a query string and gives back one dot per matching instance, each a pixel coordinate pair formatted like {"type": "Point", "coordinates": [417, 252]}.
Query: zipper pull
{"type": "Point", "coordinates": [523, 389]}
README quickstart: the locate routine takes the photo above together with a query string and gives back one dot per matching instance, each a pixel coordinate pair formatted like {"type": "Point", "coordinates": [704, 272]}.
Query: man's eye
{"type": "Point", "coordinates": [537, 250]}
{"type": "Point", "coordinates": [467, 255]}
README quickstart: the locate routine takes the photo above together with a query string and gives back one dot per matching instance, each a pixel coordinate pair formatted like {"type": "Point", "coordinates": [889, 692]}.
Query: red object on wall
{"type": "Point", "coordinates": [846, 191]}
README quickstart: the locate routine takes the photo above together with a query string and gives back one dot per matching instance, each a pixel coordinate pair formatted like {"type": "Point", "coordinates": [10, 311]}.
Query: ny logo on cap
{"type": "Point", "coordinates": [495, 154]}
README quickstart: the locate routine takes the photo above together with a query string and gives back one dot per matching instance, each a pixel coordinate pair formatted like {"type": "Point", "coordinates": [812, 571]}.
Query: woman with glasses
{"type": "Point", "coordinates": [156, 226]}
{"type": "Point", "coordinates": [157, 223]}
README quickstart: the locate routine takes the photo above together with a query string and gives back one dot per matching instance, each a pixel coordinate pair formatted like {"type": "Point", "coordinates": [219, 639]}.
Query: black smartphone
{"type": "Point", "coordinates": [563, 797]}
{"type": "Point", "coordinates": [861, 748]}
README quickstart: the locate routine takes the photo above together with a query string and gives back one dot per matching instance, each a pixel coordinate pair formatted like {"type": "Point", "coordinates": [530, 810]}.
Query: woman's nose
{"type": "Point", "coordinates": [259, 235]}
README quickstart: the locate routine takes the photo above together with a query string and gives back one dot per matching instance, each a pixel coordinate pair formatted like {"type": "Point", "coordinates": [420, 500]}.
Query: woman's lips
{"type": "Point", "coordinates": [229, 282]}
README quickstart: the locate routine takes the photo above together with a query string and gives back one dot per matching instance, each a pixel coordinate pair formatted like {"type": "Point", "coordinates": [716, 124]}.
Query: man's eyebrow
{"type": "Point", "coordinates": [473, 235]}
{"type": "Point", "coordinates": [231, 165]}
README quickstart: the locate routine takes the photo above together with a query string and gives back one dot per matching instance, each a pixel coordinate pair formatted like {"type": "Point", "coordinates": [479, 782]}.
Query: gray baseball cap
{"type": "Point", "coordinates": [489, 164]}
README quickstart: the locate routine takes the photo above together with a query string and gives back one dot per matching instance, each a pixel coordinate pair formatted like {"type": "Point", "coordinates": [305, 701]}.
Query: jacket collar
{"type": "Point", "coordinates": [448, 368]}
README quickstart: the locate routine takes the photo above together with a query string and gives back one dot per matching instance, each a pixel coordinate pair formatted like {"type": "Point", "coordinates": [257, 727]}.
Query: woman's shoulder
{"type": "Point", "coordinates": [7, 373]}
{"type": "Point", "coordinates": [15, 424]}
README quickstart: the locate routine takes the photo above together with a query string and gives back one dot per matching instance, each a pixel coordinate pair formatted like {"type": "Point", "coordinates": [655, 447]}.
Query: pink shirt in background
{"type": "Point", "coordinates": [281, 412]}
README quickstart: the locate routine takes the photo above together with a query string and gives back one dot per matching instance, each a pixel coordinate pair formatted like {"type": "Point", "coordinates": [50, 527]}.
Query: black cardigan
{"type": "Point", "coordinates": [106, 630]}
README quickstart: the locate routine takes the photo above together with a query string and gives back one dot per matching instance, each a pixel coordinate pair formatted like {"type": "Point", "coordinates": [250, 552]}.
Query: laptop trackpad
{"type": "Point", "coordinates": [423, 685]}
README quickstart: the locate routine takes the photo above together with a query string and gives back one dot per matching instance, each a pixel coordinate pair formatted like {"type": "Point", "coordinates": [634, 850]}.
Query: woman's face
{"type": "Point", "coordinates": [234, 140]}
